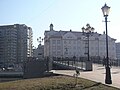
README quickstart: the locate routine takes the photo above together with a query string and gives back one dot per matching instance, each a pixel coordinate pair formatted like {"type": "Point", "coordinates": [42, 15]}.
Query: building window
{"type": "Point", "coordinates": [74, 53]}
{"type": "Point", "coordinates": [53, 41]}
{"type": "Point", "coordinates": [74, 47]}
{"type": "Point", "coordinates": [65, 42]}
{"type": "Point", "coordinates": [54, 53]}
{"type": "Point", "coordinates": [69, 42]}
{"type": "Point", "coordinates": [58, 42]}
{"type": "Point", "coordinates": [58, 47]}
{"type": "Point", "coordinates": [58, 53]}
{"type": "Point", "coordinates": [113, 48]}
{"type": "Point", "coordinates": [74, 42]}
{"type": "Point", "coordinates": [96, 38]}
{"type": "Point", "coordinates": [54, 47]}
{"type": "Point", "coordinates": [92, 48]}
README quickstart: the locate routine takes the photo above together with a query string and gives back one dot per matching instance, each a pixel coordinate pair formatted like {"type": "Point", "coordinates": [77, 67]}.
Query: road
{"type": "Point", "coordinates": [98, 74]}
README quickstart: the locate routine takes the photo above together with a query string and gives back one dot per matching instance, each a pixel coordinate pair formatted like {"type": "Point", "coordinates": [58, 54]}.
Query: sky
{"type": "Point", "coordinates": [63, 14]}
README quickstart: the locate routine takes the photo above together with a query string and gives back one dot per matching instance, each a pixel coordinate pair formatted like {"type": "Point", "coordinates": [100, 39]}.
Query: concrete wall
{"type": "Point", "coordinates": [34, 69]}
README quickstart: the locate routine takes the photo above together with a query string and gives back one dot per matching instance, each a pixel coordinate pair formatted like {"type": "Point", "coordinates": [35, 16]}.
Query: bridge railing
{"type": "Point", "coordinates": [82, 62]}
{"type": "Point", "coordinates": [79, 63]}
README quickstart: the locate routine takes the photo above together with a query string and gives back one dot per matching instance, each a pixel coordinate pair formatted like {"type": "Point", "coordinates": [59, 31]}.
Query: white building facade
{"type": "Point", "coordinates": [39, 52]}
{"type": "Point", "coordinates": [118, 50]}
{"type": "Point", "coordinates": [62, 44]}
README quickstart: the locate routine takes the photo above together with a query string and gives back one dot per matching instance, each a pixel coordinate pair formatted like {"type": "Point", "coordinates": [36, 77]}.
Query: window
{"type": "Point", "coordinates": [113, 48]}
{"type": "Point", "coordinates": [54, 41]}
{"type": "Point", "coordinates": [74, 53]}
{"type": "Point", "coordinates": [74, 42]}
{"type": "Point", "coordinates": [96, 38]}
{"type": "Point", "coordinates": [58, 47]}
{"type": "Point", "coordinates": [74, 47]}
{"type": "Point", "coordinates": [69, 42]}
{"type": "Point", "coordinates": [54, 53]}
{"type": "Point", "coordinates": [58, 42]}
{"type": "Point", "coordinates": [39, 53]}
{"type": "Point", "coordinates": [92, 48]}
{"type": "Point", "coordinates": [65, 42]}
{"type": "Point", "coordinates": [53, 47]}
{"type": "Point", "coordinates": [58, 53]}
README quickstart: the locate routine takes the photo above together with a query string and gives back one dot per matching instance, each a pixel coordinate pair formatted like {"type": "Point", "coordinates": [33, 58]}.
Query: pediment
{"type": "Point", "coordinates": [69, 35]}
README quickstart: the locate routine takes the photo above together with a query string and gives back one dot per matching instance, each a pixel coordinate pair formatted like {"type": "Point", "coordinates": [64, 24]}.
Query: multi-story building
{"type": "Point", "coordinates": [39, 52]}
{"type": "Point", "coordinates": [118, 50]}
{"type": "Point", "coordinates": [72, 43]}
{"type": "Point", "coordinates": [15, 43]}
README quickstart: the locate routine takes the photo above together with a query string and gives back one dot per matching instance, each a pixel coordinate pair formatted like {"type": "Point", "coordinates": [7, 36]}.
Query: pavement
{"type": "Point", "coordinates": [97, 75]}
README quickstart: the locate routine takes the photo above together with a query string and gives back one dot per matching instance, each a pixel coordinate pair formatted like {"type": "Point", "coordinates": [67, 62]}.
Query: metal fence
{"type": "Point", "coordinates": [81, 61]}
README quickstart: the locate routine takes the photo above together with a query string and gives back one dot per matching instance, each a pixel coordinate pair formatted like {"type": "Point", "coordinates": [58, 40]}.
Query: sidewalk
{"type": "Point", "coordinates": [98, 74]}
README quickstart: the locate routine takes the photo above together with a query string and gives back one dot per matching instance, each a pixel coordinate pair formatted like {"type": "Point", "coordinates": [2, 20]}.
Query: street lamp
{"type": "Point", "coordinates": [87, 31]}
{"type": "Point", "coordinates": [74, 58]}
{"type": "Point", "coordinates": [105, 10]}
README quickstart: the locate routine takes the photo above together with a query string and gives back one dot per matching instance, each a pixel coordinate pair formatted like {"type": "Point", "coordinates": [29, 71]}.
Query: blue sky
{"type": "Point", "coordinates": [64, 14]}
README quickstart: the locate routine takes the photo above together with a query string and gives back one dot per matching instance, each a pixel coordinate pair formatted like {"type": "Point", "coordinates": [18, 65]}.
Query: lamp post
{"type": "Point", "coordinates": [87, 31]}
{"type": "Point", "coordinates": [105, 10]}
{"type": "Point", "coordinates": [66, 54]}
{"type": "Point", "coordinates": [74, 59]}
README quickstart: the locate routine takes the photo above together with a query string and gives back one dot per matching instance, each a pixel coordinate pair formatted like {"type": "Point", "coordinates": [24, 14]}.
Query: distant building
{"type": "Point", "coordinates": [39, 52]}
{"type": "Point", "coordinates": [62, 44]}
{"type": "Point", "coordinates": [118, 50]}
{"type": "Point", "coordinates": [15, 43]}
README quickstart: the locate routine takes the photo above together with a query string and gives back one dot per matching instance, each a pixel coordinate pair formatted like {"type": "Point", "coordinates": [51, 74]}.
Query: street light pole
{"type": "Point", "coordinates": [106, 42]}
{"type": "Point", "coordinates": [108, 80]}
{"type": "Point", "coordinates": [87, 31]}
{"type": "Point", "coordinates": [88, 47]}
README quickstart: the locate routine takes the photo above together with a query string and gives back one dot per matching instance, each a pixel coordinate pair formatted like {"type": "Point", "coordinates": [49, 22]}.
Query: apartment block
{"type": "Point", "coordinates": [15, 43]}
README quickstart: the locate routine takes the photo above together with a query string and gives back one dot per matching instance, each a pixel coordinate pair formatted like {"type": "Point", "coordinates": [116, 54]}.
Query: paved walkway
{"type": "Point", "coordinates": [98, 74]}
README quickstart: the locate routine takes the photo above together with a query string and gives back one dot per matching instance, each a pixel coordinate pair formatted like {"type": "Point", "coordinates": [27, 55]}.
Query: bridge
{"type": "Point", "coordinates": [70, 65]}
{"type": "Point", "coordinates": [81, 63]}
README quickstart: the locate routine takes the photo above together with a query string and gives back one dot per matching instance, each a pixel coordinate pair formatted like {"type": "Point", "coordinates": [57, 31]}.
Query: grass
{"type": "Point", "coordinates": [54, 83]}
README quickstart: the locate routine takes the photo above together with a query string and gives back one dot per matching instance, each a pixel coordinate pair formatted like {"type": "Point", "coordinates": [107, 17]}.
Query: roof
{"type": "Point", "coordinates": [76, 33]}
